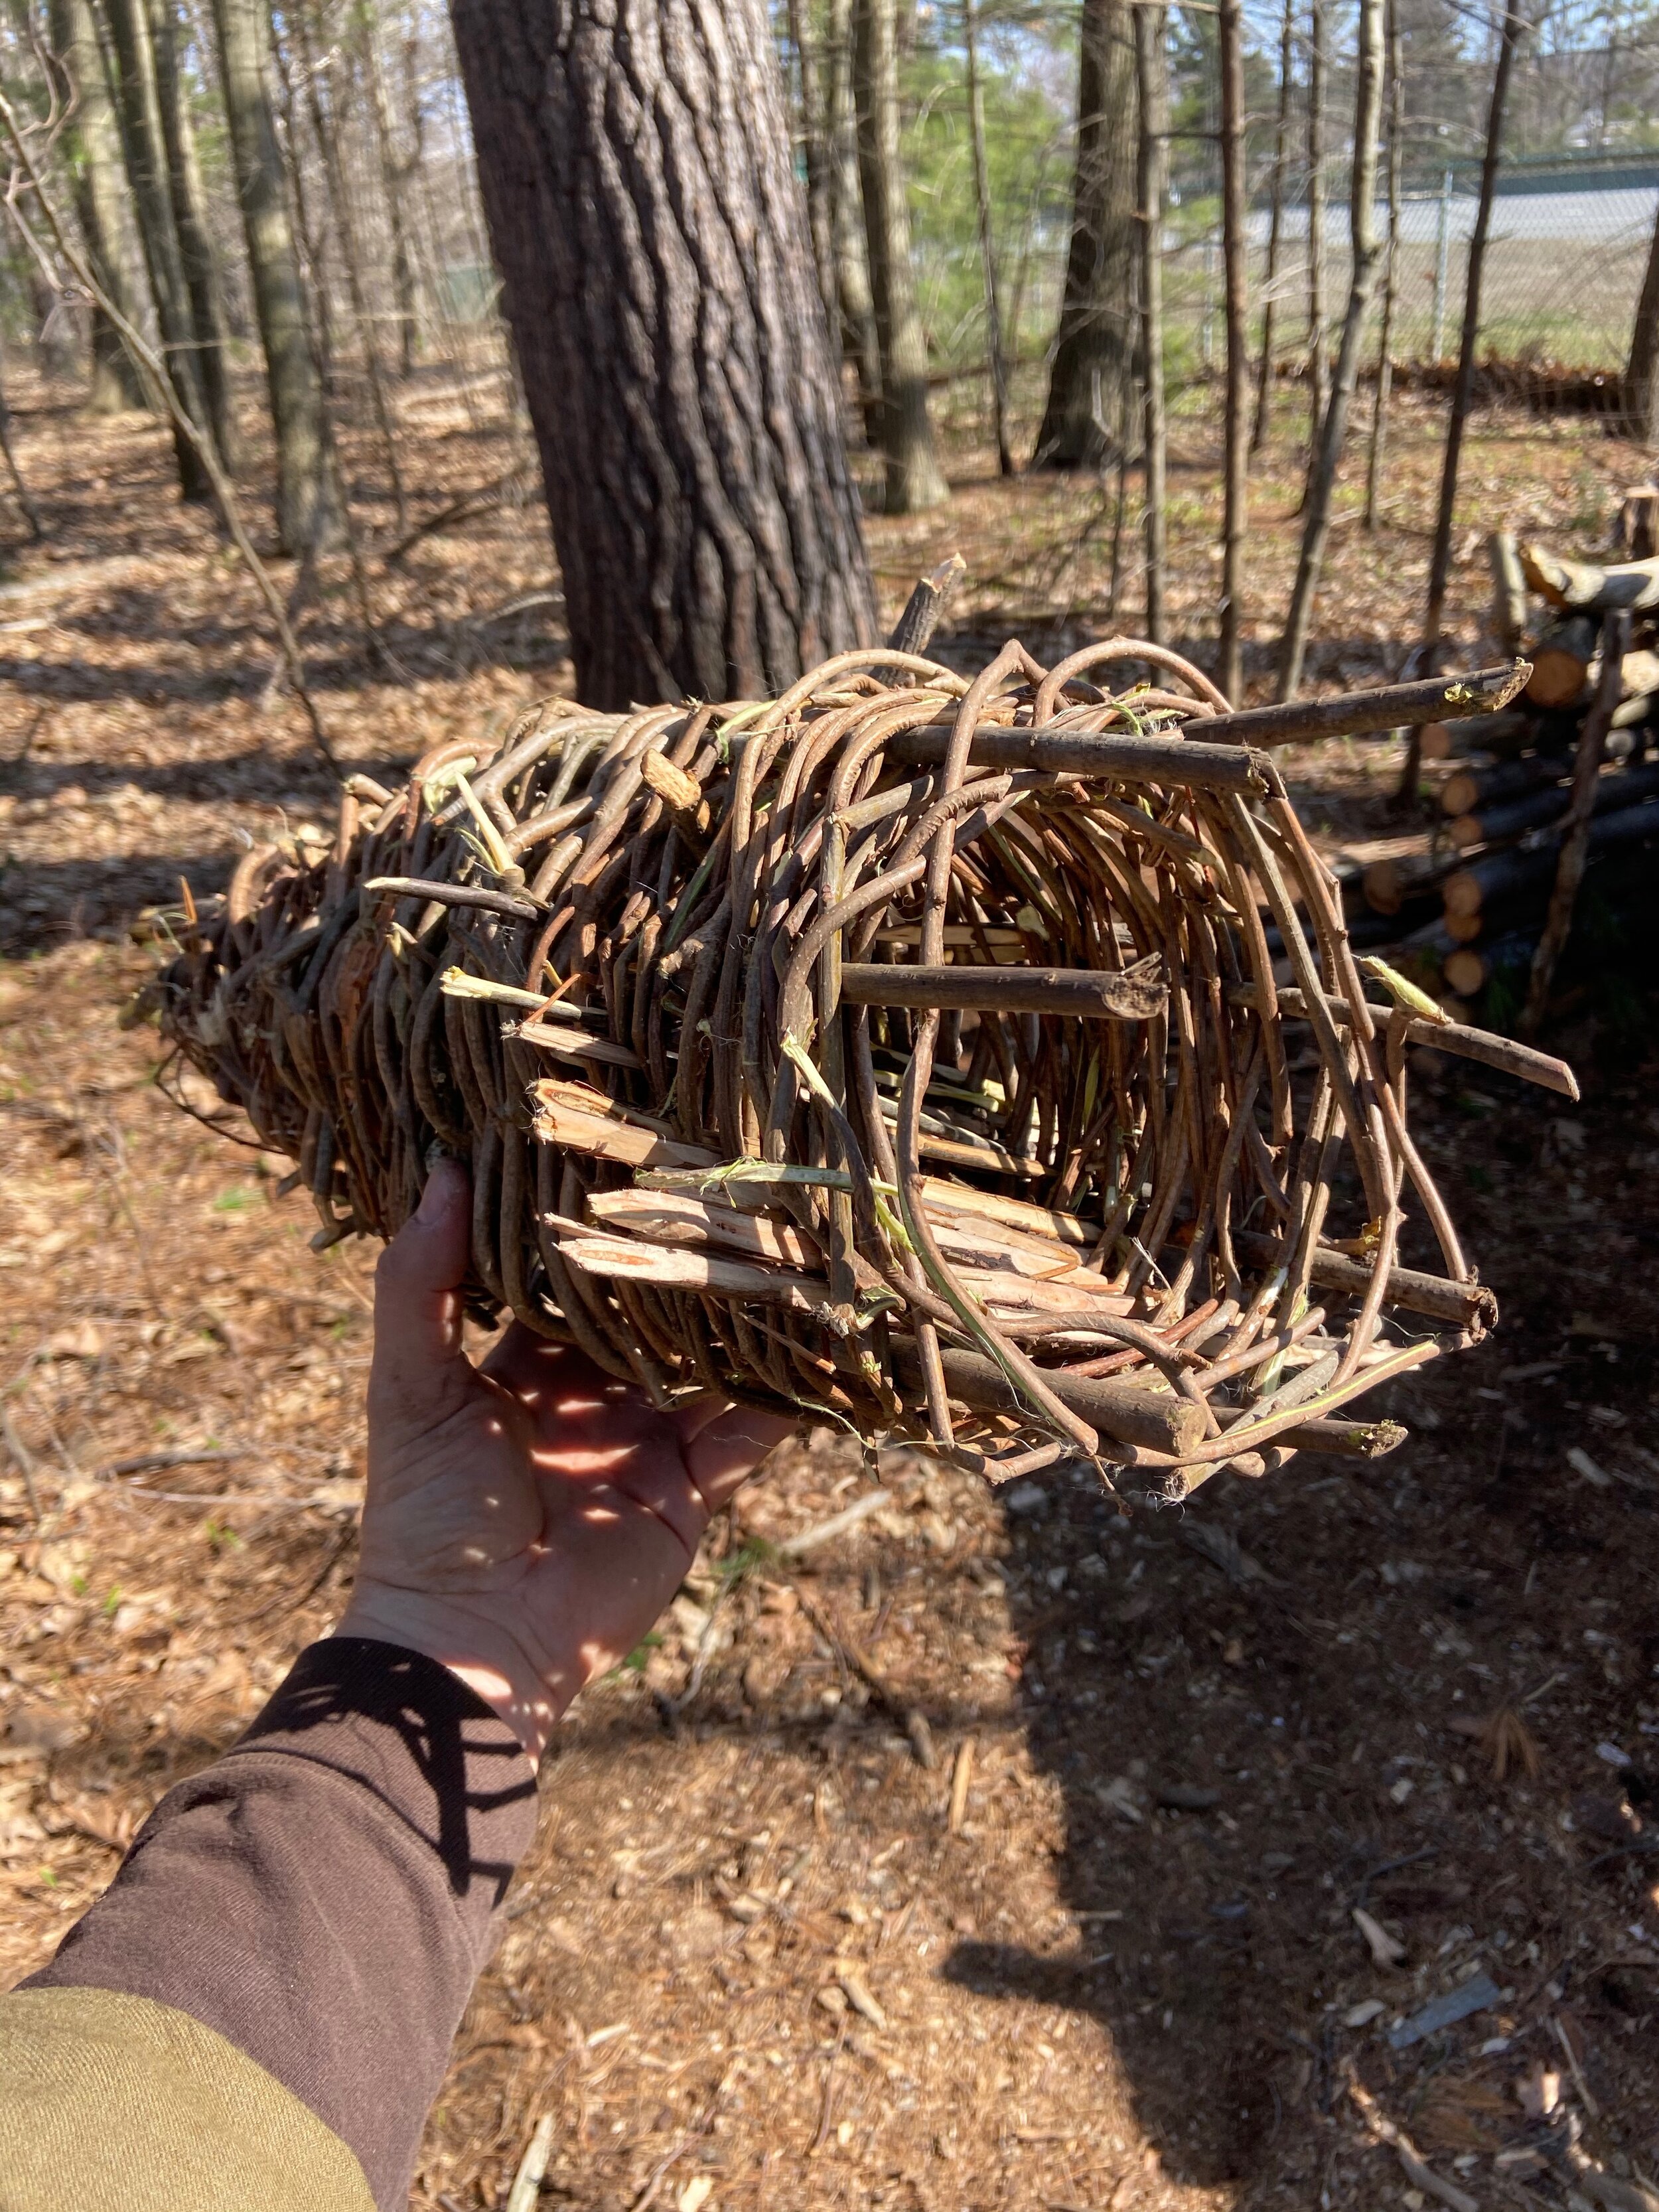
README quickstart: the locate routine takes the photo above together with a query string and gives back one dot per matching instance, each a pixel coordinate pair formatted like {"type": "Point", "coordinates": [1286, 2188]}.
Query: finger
{"type": "Point", "coordinates": [726, 1453]}
{"type": "Point", "coordinates": [418, 1306]}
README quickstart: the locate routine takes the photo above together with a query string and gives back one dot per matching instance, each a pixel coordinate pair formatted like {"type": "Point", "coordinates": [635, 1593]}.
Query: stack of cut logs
{"type": "Point", "coordinates": [1473, 901]}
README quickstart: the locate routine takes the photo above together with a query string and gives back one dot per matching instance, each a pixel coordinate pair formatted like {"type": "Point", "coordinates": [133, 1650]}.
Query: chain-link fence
{"type": "Point", "coordinates": [1564, 262]}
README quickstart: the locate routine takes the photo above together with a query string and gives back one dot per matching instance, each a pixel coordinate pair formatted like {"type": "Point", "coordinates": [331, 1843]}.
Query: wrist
{"type": "Point", "coordinates": [530, 1692]}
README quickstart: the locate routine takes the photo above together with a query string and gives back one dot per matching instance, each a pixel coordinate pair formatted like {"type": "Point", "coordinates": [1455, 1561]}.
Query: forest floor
{"type": "Point", "coordinates": [752, 1961]}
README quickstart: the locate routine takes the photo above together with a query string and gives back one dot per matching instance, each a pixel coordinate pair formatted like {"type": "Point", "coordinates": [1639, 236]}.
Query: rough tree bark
{"type": "Point", "coordinates": [92, 148]}
{"type": "Point", "coordinates": [1332, 434]}
{"type": "Point", "coordinates": [1233, 217]}
{"type": "Point", "coordinates": [634, 160]}
{"type": "Point", "coordinates": [915, 479]}
{"type": "Point", "coordinates": [196, 259]}
{"type": "Point", "coordinates": [133, 85]}
{"type": "Point", "coordinates": [1093, 372]}
{"type": "Point", "coordinates": [1153, 89]}
{"type": "Point", "coordinates": [307, 506]}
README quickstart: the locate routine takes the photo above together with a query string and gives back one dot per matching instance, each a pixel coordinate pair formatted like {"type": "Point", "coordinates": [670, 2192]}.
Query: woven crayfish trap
{"type": "Point", "coordinates": [980, 1063]}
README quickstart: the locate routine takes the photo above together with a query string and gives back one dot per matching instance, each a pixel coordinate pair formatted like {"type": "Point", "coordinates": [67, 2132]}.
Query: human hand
{"type": "Point", "coordinates": [527, 1520]}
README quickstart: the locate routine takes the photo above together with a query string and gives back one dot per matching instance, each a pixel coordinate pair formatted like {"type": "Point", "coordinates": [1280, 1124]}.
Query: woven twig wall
{"type": "Point", "coordinates": [978, 1062]}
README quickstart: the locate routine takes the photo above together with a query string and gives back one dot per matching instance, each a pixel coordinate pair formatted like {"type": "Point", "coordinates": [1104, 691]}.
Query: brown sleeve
{"type": "Point", "coordinates": [322, 1897]}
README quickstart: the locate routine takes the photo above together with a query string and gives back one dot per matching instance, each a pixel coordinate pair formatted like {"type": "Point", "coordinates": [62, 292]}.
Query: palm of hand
{"type": "Point", "coordinates": [539, 1484]}
{"type": "Point", "coordinates": [526, 1521]}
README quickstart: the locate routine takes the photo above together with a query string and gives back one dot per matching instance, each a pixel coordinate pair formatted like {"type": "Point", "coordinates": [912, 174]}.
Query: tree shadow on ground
{"type": "Point", "coordinates": [1259, 1710]}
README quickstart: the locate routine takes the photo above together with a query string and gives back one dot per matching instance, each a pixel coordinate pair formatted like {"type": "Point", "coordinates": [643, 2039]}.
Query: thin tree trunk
{"type": "Point", "coordinates": [1391, 285]}
{"type": "Point", "coordinates": [815, 145]}
{"type": "Point", "coordinates": [25, 497]}
{"type": "Point", "coordinates": [307, 505]}
{"type": "Point", "coordinates": [57, 352]}
{"type": "Point", "coordinates": [1152, 88]}
{"type": "Point", "coordinates": [394, 179]}
{"type": "Point", "coordinates": [914, 480]}
{"type": "Point", "coordinates": [1316, 355]}
{"type": "Point", "coordinates": [1233, 219]}
{"type": "Point", "coordinates": [1275, 228]}
{"type": "Point", "coordinates": [224, 490]}
{"type": "Point", "coordinates": [312, 238]}
{"type": "Point", "coordinates": [195, 254]}
{"type": "Point", "coordinates": [997, 364]}
{"type": "Point", "coordinates": [323, 125]}
{"type": "Point", "coordinates": [133, 85]}
{"type": "Point", "coordinates": [1095, 346]}
{"type": "Point", "coordinates": [1641, 385]}
{"type": "Point", "coordinates": [1514, 30]}
{"type": "Point", "coordinates": [92, 143]}
{"type": "Point", "coordinates": [425, 231]}
{"type": "Point", "coordinates": [1365, 255]}
{"type": "Point", "coordinates": [854, 312]}
{"type": "Point", "coordinates": [1508, 46]}
{"type": "Point", "coordinates": [634, 161]}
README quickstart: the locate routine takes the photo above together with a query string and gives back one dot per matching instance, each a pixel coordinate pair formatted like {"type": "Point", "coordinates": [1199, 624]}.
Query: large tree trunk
{"type": "Point", "coordinates": [92, 144]}
{"type": "Point", "coordinates": [201, 273]}
{"type": "Point", "coordinates": [634, 160]}
{"type": "Point", "coordinates": [915, 479]}
{"type": "Point", "coordinates": [1362, 218]}
{"type": "Point", "coordinates": [133, 83]}
{"type": "Point", "coordinates": [1093, 374]}
{"type": "Point", "coordinates": [307, 509]}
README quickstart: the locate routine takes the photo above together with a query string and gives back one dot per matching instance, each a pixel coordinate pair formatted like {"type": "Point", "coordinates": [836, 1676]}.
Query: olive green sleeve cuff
{"type": "Point", "coordinates": [110, 2100]}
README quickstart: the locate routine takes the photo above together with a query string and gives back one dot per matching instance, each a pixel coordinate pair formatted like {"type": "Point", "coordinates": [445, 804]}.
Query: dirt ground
{"type": "Point", "coordinates": [755, 1960]}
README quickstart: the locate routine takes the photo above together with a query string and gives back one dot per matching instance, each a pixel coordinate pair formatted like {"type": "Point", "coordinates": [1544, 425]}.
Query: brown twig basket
{"type": "Point", "coordinates": [908, 1051]}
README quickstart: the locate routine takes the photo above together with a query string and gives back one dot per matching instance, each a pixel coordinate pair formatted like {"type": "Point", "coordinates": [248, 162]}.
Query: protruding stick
{"type": "Point", "coordinates": [1462, 1305]}
{"type": "Point", "coordinates": [1164, 759]}
{"type": "Point", "coordinates": [1395, 707]}
{"type": "Point", "coordinates": [1122, 1411]}
{"type": "Point", "coordinates": [1092, 993]}
{"type": "Point", "coordinates": [914, 630]}
{"type": "Point", "coordinates": [1463, 1043]}
{"type": "Point", "coordinates": [1201, 760]}
{"type": "Point", "coordinates": [1341, 1439]}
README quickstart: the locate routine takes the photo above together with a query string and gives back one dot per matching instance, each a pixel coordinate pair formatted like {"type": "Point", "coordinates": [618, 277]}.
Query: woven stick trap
{"type": "Point", "coordinates": [905, 1050]}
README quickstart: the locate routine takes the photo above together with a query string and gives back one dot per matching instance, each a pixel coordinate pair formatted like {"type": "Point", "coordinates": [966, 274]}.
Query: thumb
{"type": "Point", "coordinates": [417, 1307]}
